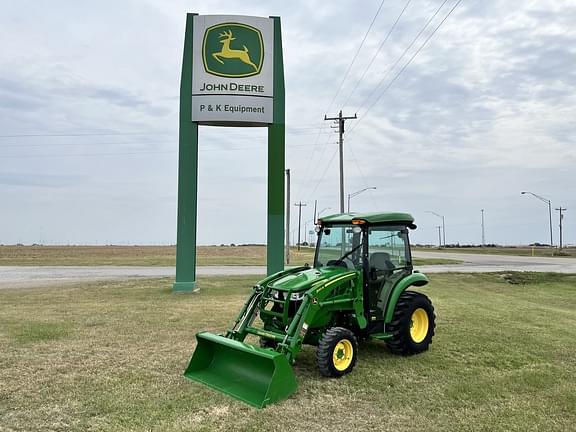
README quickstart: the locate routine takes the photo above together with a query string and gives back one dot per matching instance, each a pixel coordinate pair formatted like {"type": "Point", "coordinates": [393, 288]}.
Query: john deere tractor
{"type": "Point", "coordinates": [359, 289]}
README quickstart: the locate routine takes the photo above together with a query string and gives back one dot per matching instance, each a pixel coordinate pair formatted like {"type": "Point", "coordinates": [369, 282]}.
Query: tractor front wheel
{"type": "Point", "coordinates": [336, 352]}
{"type": "Point", "coordinates": [413, 324]}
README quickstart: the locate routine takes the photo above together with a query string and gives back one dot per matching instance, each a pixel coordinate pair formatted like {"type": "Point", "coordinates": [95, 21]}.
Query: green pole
{"type": "Point", "coordinates": [187, 174]}
{"type": "Point", "coordinates": [276, 162]}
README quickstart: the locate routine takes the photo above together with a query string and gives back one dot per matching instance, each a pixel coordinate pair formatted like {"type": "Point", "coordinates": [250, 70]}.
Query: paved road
{"type": "Point", "coordinates": [23, 277]}
{"type": "Point", "coordinates": [479, 263]}
{"type": "Point", "coordinates": [29, 276]}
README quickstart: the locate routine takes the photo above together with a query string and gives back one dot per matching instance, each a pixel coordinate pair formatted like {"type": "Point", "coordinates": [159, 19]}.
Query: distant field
{"type": "Point", "coordinates": [518, 251]}
{"type": "Point", "coordinates": [138, 255]}
{"type": "Point", "coordinates": [151, 256]}
{"type": "Point", "coordinates": [109, 356]}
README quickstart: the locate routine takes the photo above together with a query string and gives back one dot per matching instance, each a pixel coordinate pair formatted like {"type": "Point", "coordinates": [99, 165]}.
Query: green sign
{"type": "Point", "coordinates": [233, 50]}
{"type": "Point", "coordinates": [232, 75]}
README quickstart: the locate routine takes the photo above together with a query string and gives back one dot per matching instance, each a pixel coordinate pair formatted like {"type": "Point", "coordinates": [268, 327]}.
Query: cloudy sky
{"type": "Point", "coordinates": [483, 111]}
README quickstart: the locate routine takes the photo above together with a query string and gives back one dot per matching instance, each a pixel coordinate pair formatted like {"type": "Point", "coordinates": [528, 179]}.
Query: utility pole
{"type": "Point", "coordinates": [315, 207]}
{"type": "Point", "coordinates": [299, 205]}
{"type": "Point", "coordinates": [341, 119]}
{"type": "Point", "coordinates": [287, 216]}
{"type": "Point", "coordinates": [483, 232]}
{"type": "Point", "coordinates": [560, 210]}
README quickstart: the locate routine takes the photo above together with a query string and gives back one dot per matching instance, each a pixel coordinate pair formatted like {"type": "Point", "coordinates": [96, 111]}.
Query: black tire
{"type": "Point", "coordinates": [336, 352]}
{"type": "Point", "coordinates": [268, 343]}
{"type": "Point", "coordinates": [412, 309]}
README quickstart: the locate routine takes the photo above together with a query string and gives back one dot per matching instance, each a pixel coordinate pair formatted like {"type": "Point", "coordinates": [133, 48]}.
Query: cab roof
{"type": "Point", "coordinates": [370, 218]}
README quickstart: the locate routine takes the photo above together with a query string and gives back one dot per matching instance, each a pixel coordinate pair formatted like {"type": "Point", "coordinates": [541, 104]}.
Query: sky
{"type": "Point", "coordinates": [485, 109]}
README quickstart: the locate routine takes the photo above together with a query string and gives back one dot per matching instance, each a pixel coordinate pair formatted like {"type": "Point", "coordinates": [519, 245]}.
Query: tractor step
{"type": "Point", "coordinates": [381, 336]}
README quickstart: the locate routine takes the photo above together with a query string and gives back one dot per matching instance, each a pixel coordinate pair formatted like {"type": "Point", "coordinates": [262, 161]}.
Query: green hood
{"type": "Point", "coordinates": [304, 279]}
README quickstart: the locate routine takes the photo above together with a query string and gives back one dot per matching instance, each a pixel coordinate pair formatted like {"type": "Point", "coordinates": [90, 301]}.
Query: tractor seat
{"type": "Point", "coordinates": [380, 266]}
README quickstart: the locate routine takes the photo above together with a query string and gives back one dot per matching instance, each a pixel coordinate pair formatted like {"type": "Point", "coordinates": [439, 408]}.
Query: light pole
{"type": "Point", "coordinates": [483, 233]}
{"type": "Point", "coordinates": [352, 195]}
{"type": "Point", "coordinates": [443, 225]}
{"type": "Point", "coordinates": [547, 201]}
{"type": "Point", "coordinates": [439, 236]}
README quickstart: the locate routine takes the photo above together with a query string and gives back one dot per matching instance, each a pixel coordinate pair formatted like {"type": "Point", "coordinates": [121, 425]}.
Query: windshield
{"type": "Point", "coordinates": [340, 245]}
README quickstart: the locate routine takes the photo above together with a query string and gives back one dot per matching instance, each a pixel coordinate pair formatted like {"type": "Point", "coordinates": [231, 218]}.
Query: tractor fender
{"type": "Point", "coordinates": [415, 279]}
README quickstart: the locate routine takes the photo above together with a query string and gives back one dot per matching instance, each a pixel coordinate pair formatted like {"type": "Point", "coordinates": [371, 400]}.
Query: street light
{"type": "Point", "coordinates": [443, 225]}
{"type": "Point", "coordinates": [352, 195]}
{"type": "Point", "coordinates": [547, 201]}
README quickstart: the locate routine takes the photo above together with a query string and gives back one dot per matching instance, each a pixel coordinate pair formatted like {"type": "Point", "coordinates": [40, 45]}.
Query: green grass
{"type": "Point", "coordinates": [110, 356]}
{"type": "Point", "coordinates": [152, 256]}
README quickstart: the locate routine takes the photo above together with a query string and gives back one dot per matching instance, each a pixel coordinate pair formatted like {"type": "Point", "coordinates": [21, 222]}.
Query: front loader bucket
{"type": "Point", "coordinates": [257, 376]}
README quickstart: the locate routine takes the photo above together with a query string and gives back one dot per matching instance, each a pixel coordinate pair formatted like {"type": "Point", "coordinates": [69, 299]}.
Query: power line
{"type": "Point", "coordinates": [142, 152]}
{"type": "Point", "coordinates": [356, 56]}
{"type": "Point", "coordinates": [315, 145]}
{"type": "Point", "coordinates": [374, 206]}
{"type": "Point", "coordinates": [377, 52]}
{"type": "Point", "coordinates": [313, 191]}
{"type": "Point", "coordinates": [295, 130]}
{"type": "Point", "coordinates": [81, 134]}
{"type": "Point", "coordinates": [391, 68]}
{"type": "Point", "coordinates": [50, 144]}
{"type": "Point", "coordinates": [407, 63]}
{"type": "Point", "coordinates": [32, 156]}
{"type": "Point", "coordinates": [84, 144]}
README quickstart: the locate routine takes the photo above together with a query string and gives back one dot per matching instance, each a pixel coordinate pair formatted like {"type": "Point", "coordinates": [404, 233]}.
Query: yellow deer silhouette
{"type": "Point", "coordinates": [228, 53]}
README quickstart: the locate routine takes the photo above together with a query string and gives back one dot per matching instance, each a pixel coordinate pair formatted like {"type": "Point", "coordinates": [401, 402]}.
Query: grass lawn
{"type": "Point", "coordinates": [152, 256]}
{"type": "Point", "coordinates": [110, 356]}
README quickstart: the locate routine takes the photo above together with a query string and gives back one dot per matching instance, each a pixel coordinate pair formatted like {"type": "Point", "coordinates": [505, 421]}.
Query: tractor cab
{"type": "Point", "coordinates": [374, 244]}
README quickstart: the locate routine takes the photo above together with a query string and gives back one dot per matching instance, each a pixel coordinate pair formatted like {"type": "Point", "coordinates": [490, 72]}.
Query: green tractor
{"type": "Point", "coordinates": [356, 291]}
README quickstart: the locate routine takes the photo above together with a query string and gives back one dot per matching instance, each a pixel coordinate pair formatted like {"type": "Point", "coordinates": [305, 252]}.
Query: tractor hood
{"type": "Point", "coordinates": [304, 279]}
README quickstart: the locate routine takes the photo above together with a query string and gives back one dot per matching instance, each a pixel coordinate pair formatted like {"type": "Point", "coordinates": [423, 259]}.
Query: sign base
{"type": "Point", "coordinates": [185, 287]}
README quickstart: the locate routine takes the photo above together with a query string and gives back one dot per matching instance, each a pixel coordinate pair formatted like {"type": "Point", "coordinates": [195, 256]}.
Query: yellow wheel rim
{"type": "Point", "coordinates": [419, 325]}
{"type": "Point", "coordinates": [342, 355]}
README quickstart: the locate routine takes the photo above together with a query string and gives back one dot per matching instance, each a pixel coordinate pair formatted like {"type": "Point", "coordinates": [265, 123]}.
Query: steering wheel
{"type": "Point", "coordinates": [340, 263]}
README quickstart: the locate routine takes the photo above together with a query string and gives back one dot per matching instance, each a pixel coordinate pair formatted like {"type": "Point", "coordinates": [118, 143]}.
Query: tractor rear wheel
{"type": "Point", "coordinates": [336, 352]}
{"type": "Point", "coordinates": [413, 324]}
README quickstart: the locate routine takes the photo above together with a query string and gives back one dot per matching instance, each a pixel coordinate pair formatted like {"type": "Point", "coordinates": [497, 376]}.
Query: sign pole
{"type": "Point", "coordinates": [187, 173]}
{"type": "Point", "coordinates": [276, 163]}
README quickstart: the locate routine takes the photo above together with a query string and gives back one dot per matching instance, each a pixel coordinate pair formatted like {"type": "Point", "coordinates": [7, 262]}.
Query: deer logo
{"type": "Point", "coordinates": [233, 50]}
{"type": "Point", "coordinates": [229, 53]}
